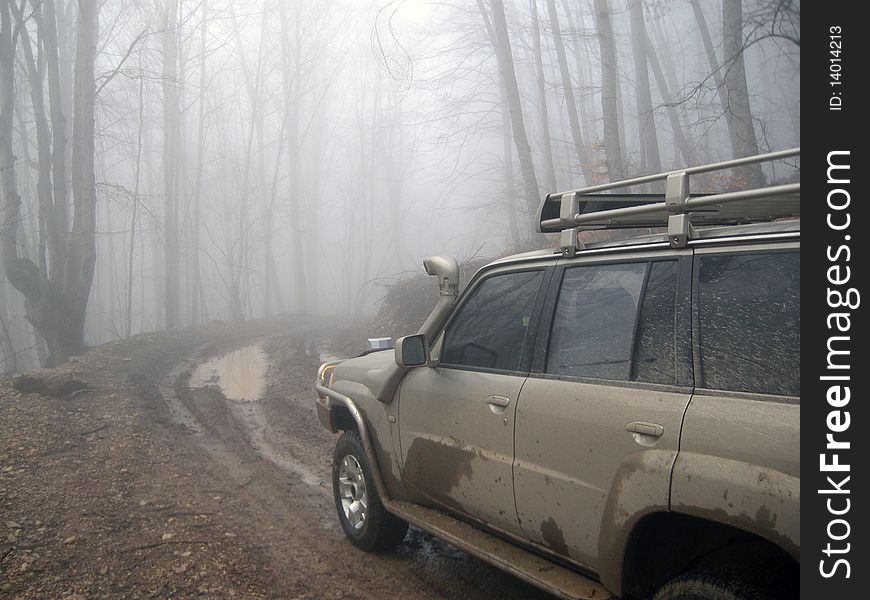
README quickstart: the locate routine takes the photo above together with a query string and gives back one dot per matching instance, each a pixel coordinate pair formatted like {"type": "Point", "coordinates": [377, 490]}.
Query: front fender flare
{"type": "Point", "coordinates": [371, 455]}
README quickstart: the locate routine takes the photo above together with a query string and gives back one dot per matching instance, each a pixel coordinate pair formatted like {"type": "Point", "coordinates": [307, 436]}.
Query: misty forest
{"type": "Point", "coordinates": [171, 163]}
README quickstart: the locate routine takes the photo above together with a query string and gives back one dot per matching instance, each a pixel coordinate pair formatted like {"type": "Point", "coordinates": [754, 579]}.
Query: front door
{"type": "Point", "coordinates": [457, 419]}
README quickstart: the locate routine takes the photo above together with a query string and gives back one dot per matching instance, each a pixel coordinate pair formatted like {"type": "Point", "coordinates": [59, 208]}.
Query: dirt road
{"type": "Point", "coordinates": [130, 473]}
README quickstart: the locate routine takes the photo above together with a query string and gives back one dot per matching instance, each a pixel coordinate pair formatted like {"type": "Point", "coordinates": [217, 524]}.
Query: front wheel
{"type": "Point", "coordinates": [726, 583]}
{"type": "Point", "coordinates": [364, 519]}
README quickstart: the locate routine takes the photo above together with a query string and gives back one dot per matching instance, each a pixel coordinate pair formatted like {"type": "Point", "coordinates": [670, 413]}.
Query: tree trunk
{"type": "Point", "coordinates": [81, 259]}
{"type": "Point", "coordinates": [581, 73]}
{"type": "Point", "coordinates": [10, 356]}
{"type": "Point", "coordinates": [50, 237]}
{"type": "Point", "coordinates": [507, 150]}
{"type": "Point", "coordinates": [549, 167]}
{"type": "Point", "coordinates": [659, 39]}
{"type": "Point", "coordinates": [137, 172]}
{"type": "Point", "coordinates": [196, 312]}
{"type": "Point", "coordinates": [609, 96]}
{"type": "Point", "coordinates": [501, 45]}
{"type": "Point", "coordinates": [507, 140]}
{"type": "Point", "coordinates": [680, 139]}
{"type": "Point", "coordinates": [171, 158]}
{"type": "Point", "coordinates": [58, 124]}
{"type": "Point", "coordinates": [292, 105]}
{"type": "Point", "coordinates": [646, 121]}
{"type": "Point", "coordinates": [314, 195]}
{"type": "Point", "coordinates": [270, 280]}
{"type": "Point", "coordinates": [716, 70]}
{"type": "Point", "coordinates": [742, 131]}
{"type": "Point", "coordinates": [585, 163]}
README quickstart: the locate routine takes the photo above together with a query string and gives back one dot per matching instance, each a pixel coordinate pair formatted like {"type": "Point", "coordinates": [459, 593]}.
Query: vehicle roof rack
{"type": "Point", "coordinates": [586, 208]}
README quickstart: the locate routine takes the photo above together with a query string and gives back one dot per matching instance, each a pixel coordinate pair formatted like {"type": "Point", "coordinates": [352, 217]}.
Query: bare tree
{"type": "Point", "coordinates": [56, 293]}
{"type": "Point", "coordinates": [197, 298]}
{"type": "Point", "coordinates": [742, 128]}
{"type": "Point", "coordinates": [172, 155]}
{"type": "Point", "coordinates": [506, 136]}
{"type": "Point", "coordinates": [568, 90]}
{"type": "Point", "coordinates": [549, 167]}
{"type": "Point", "coordinates": [581, 68]}
{"type": "Point", "coordinates": [502, 47]}
{"type": "Point", "coordinates": [610, 100]}
{"type": "Point", "coordinates": [291, 57]}
{"type": "Point", "coordinates": [649, 143]}
{"type": "Point", "coordinates": [730, 80]}
{"type": "Point", "coordinates": [10, 355]}
{"type": "Point", "coordinates": [507, 148]}
{"type": "Point", "coordinates": [540, 77]}
{"type": "Point", "coordinates": [680, 137]}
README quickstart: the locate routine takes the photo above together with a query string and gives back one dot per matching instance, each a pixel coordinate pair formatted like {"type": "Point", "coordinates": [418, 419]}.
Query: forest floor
{"type": "Point", "coordinates": [127, 473]}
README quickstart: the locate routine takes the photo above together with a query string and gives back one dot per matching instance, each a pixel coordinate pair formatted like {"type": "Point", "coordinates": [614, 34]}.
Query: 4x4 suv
{"type": "Point", "coordinates": [620, 419]}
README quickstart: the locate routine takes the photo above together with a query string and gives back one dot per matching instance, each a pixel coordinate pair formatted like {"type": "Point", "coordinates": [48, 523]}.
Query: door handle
{"type": "Point", "coordinates": [500, 401]}
{"type": "Point", "coordinates": [645, 427]}
{"type": "Point", "coordinates": [498, 404]}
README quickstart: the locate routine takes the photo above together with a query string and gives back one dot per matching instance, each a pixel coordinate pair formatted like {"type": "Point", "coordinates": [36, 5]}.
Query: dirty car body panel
{"type": "Point", "coordinates": [596, 440]}
{"type": "Point", "coordinates": [739, 462]}
{"type": "Point", "coordinates": [457, 418]}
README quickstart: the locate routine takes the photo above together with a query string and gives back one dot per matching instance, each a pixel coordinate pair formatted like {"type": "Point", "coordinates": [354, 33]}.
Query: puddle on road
{"type": "Point", "coordinates": [241, 374]}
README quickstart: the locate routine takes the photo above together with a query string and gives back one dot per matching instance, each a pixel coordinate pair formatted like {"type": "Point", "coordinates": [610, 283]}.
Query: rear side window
{"type": "Point", "coordinates": [490, 329]}
{"type": "Point", "coordinates": [656, 340]}
{"type": "Point", "coordinates": [616, 322]}
{"type": "Point", "coordinates": [749, 322]}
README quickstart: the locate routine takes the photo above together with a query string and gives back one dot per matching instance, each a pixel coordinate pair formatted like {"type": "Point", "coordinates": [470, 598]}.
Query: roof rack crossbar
{"type": "Point", "coordinates": [766, 192]}
{"type": "Point", "coordinates": [674, 209]}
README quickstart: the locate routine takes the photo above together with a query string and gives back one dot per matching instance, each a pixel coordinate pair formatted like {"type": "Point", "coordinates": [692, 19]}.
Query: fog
{"type": "Point", "coordinates": [169, 163]}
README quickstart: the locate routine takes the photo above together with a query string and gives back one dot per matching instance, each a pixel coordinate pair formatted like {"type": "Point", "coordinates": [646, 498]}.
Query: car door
{"type": "Point", "coordinates": [457, 419]}
{"type": "Point", "coordinates": [598, 421]}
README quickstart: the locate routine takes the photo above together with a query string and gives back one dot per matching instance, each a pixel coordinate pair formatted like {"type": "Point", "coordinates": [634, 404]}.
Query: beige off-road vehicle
{"type": "Point", "coordinates": [619, 419]}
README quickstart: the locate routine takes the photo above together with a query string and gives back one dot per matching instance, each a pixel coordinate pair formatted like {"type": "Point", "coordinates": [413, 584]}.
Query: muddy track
{"type": "Point", "coordinates": [138, 485]}
{"type": "Point", "coordinates": [276, 450]}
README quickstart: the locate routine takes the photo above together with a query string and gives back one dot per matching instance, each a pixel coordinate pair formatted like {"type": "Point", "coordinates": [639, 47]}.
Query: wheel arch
{"type": "Point", "coordinates": [343, 419]}
{"type": "Point", "coordinates": [665, 545]}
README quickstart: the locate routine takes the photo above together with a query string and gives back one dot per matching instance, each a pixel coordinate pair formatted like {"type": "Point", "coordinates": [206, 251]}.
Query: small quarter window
{"type": "Point", "coordinates": [749, 322]}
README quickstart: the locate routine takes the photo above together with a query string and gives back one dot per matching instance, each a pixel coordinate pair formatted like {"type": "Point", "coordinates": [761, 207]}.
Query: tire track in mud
{"type": "Point", "coordinates": [276, 459]}
{"type": "Point", "coordinates": [255, 421]}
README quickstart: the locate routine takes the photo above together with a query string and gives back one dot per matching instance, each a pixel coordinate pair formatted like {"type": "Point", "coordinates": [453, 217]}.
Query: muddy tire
{"type": "Point", "coordinates": [726, 583]}
{"type": "Point", "coordinates": [364, 520]}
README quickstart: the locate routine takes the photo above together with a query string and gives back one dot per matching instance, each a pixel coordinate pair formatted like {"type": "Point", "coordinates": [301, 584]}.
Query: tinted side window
{"type": "Point", "coordinates": [490, 329]}
{"type": "Point", "coordinates": [749, 322]}
{"type": "Point", "coordinates": [596, 316]}
{"type": "Point", "coordinates": [655, 347]}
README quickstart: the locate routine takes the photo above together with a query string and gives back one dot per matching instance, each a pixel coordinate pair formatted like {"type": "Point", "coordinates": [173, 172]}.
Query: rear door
{"type": "Point", "coordinates": [598, 421]}
{"type": "Point", "coordinates": [457, 419]}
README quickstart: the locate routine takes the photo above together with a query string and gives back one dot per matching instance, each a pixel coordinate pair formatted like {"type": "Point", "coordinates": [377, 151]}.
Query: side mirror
{"type": "Point", "coordinates": [412, 351]}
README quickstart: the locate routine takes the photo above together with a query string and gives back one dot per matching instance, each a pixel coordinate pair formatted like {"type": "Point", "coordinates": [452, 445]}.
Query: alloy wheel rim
{"type": "Point", "coordinates": [352, 492]}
